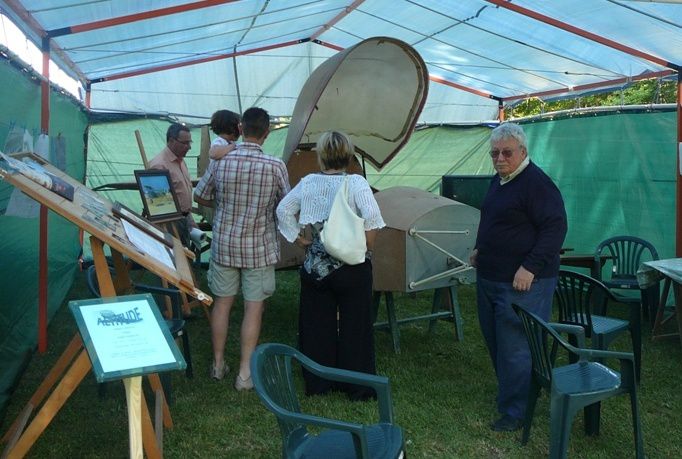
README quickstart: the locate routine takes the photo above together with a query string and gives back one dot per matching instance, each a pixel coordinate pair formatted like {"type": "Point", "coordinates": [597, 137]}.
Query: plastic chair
{"type": "Point", "coordinates": [627, 253]}
{"type": "Point", "coordinates": [576, 385]}
{"type": "Point", "coordinates": [583, 301]}
{"type": "Point", "coordinates": [176, 324]}
{"type": "Point", "coordinates": [272, 372]}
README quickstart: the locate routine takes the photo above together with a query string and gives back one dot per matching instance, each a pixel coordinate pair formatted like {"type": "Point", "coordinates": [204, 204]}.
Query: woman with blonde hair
{"type": "Point", "coordinates": [335, 316]}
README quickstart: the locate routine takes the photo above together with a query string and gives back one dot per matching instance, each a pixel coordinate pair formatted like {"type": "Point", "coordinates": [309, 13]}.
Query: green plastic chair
{"type": "Point", "coordinates": [583, 301]}
{"type": "Point", "coordinates": [627, 254]}
{"type": "Point", "coordinates": [272, 373]}
{"type": "Point", "coordinates": [574, 386]}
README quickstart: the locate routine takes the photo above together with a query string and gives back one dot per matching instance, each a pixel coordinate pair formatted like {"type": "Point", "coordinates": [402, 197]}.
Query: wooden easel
{"type": "Point", "coordinates": [74, 363]}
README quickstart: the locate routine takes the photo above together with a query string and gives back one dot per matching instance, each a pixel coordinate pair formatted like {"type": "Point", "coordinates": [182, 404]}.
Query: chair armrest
{"type": "Point", "coordinates": [380, 384]}
{"type": "Point", "coordinates": [593, 354]}
{"type": "Point", "coordinates": [576, 330]}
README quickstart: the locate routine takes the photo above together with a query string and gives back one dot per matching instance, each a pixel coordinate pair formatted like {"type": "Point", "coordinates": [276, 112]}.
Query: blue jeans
{"type": "Point", "coordinates": [505, 338]}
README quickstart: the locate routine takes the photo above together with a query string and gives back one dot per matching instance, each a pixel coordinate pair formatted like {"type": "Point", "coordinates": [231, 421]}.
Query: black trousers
{"type": "Point", "coordinates": [345, 342]}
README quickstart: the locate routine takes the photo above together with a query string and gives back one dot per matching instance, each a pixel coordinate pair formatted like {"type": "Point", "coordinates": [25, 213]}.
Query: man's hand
{"type": "Point", "coordinates": [473, 257]}
{"type": "Point", "coordinates": [523, 279]}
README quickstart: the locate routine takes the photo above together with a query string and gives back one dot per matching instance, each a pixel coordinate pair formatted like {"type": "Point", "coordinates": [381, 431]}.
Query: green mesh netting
{"type": "Point", "coordinates": [19, 236]}
{"type": "Point", "coordinates": [615, 171]}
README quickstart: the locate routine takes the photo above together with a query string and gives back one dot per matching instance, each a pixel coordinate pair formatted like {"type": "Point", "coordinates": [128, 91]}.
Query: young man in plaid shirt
{"type": "Point", "coordinates": [245, 188]}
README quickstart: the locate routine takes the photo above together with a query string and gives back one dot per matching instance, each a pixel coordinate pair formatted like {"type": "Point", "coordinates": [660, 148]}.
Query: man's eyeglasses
{"type": "Point", "coordinates": [506, 153]}
{"type": "Point", "coordinates": [184, 142]}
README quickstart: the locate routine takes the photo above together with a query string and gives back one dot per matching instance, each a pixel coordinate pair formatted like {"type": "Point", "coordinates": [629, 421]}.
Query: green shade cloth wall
{"type": "Point", "coordinates": [616, 171]}
{"type": "Point", "coordinates": [19, 236]}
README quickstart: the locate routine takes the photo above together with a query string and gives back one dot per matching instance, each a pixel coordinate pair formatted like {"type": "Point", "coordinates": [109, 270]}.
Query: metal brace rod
{"type": "Point", "coordinates": [412, 232]}
{"type": "Point", "coordinates": [449, 272]}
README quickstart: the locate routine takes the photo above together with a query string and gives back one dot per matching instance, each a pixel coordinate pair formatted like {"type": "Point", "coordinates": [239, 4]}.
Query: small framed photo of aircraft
{"type": "Point", "coordinates": [158, 197]}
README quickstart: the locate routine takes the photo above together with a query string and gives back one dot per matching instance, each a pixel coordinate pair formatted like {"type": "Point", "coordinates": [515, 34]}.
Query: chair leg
{"type": "Point", "coordinates": [189, 371]}
{"type": "Point", "coordinates": [592, 415]}
{"type": "Point", "coordinates": [561, 420]}
{"type": "Point", "coordinates": [166, 386]}
{"type": "Point", "coordinates": [636, 425]}
{"type": "Point", "coordinates": [533, 393]}
{"type": "Point", "coordinates": [636, 335]}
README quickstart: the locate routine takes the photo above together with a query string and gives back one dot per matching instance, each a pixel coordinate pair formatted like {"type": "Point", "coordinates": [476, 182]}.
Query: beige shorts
{"type": "Point", "coordinates": [257, 283]}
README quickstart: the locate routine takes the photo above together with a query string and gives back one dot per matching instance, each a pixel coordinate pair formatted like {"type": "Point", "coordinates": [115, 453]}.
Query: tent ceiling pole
{"type": "Point", "coordinates": [236, 81]}
{"type": "Point", "coordinates": [42, 242]}
{"type": "Point", "coordinates": [327, 45]}
{"type": "Point", "coordinates": [118, 76]}
{"type": "Point", "coordinates": [127, 19]}
{"type": "Point", "coordinates": [589, 86]}
{"type": "Point", "coordinates": [346, 11]}
{"type": "Point", "coordinates": [437, 79]}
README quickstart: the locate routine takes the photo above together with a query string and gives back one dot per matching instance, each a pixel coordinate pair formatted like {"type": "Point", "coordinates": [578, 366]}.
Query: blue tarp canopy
{"type": "Point", "coordinates": [193, 57]}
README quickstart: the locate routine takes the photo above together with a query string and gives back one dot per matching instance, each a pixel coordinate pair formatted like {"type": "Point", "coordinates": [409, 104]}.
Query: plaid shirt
{"type": "Point", "coordinates": [246, 186]}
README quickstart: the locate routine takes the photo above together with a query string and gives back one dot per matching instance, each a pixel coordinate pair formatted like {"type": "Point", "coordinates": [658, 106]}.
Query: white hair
{"type": "Point", "coordinates": [509, 130]}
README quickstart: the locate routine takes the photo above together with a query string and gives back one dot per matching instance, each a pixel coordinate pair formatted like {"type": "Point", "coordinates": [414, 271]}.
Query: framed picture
{"type": "Point", "coordinates": [158, 197]}
{"type": "Point", "coordinates": [125, 336]}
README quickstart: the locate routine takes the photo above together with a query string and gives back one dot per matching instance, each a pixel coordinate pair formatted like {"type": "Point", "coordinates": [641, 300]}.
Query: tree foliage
{"type": "Point", "coordinates": [638, 93]}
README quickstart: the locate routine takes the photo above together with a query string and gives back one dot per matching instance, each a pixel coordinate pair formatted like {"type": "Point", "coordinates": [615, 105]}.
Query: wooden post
{"type": "Point", "coordinates": [133, 396]}
{"type": "Point", "coordinates": [140, 145]}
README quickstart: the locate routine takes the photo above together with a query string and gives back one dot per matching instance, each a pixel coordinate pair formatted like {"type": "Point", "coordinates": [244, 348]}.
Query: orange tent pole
{"type": "Point", "coordinates": [42, 243]}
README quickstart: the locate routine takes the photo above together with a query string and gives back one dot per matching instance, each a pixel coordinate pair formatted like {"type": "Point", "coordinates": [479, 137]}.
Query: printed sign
{"type": "Point", "coordinates": [126, 336]}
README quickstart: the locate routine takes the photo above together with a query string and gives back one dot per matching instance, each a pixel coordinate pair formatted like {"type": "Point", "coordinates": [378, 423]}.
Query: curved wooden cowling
{"type": "Point", "coordinates": [373, 91]}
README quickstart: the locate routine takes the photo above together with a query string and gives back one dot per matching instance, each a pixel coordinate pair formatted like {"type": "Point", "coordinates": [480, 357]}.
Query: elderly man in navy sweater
{"type": "Point", "coordinates": [522, 228]}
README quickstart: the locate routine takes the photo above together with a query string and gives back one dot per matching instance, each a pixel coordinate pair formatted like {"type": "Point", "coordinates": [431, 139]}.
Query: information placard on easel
{"type": "Point", "coordinates": [126, 336]}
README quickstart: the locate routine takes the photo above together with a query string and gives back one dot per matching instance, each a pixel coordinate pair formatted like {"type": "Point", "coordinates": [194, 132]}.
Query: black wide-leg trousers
{"type": "Point", "coordinates": [335, 326]}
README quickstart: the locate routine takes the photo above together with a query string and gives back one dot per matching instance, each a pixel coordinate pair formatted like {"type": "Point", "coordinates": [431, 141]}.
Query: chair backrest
{"type": "Point", "coordinates": [272, 375]}
{"type": "Point", "coordinates": [91, 281]}
{"type": "Point", "coordinates": [539, 336]}
{"type": "Point", "coordinates": [627, 253]}
{"type": "Point", "coordinates": [578, 297]}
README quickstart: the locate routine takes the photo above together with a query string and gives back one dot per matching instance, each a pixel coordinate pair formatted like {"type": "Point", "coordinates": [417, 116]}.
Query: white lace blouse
{"type": "Point", "coordinates": [312, 200]}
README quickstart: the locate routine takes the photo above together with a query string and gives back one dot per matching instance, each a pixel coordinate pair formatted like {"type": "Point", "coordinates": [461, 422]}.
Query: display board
{"type": "Point", "coordinates": [95, 215]}
{"type": "Point", "coordinates": [126, 336]}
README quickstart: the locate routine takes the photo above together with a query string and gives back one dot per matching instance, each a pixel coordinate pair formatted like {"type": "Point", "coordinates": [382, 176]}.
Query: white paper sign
{"type": "Point", "coordinates": [126, 335]}
{"type": "Point", "coordinates": [147, 244]}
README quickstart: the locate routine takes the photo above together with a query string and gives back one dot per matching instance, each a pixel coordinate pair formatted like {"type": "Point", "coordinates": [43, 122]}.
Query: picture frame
{"type": "Point", "coordinates": [158, 196]}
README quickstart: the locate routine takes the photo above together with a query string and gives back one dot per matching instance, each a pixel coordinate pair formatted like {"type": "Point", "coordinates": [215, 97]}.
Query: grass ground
{"type": "Point", "coordinates": [443, 394]}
